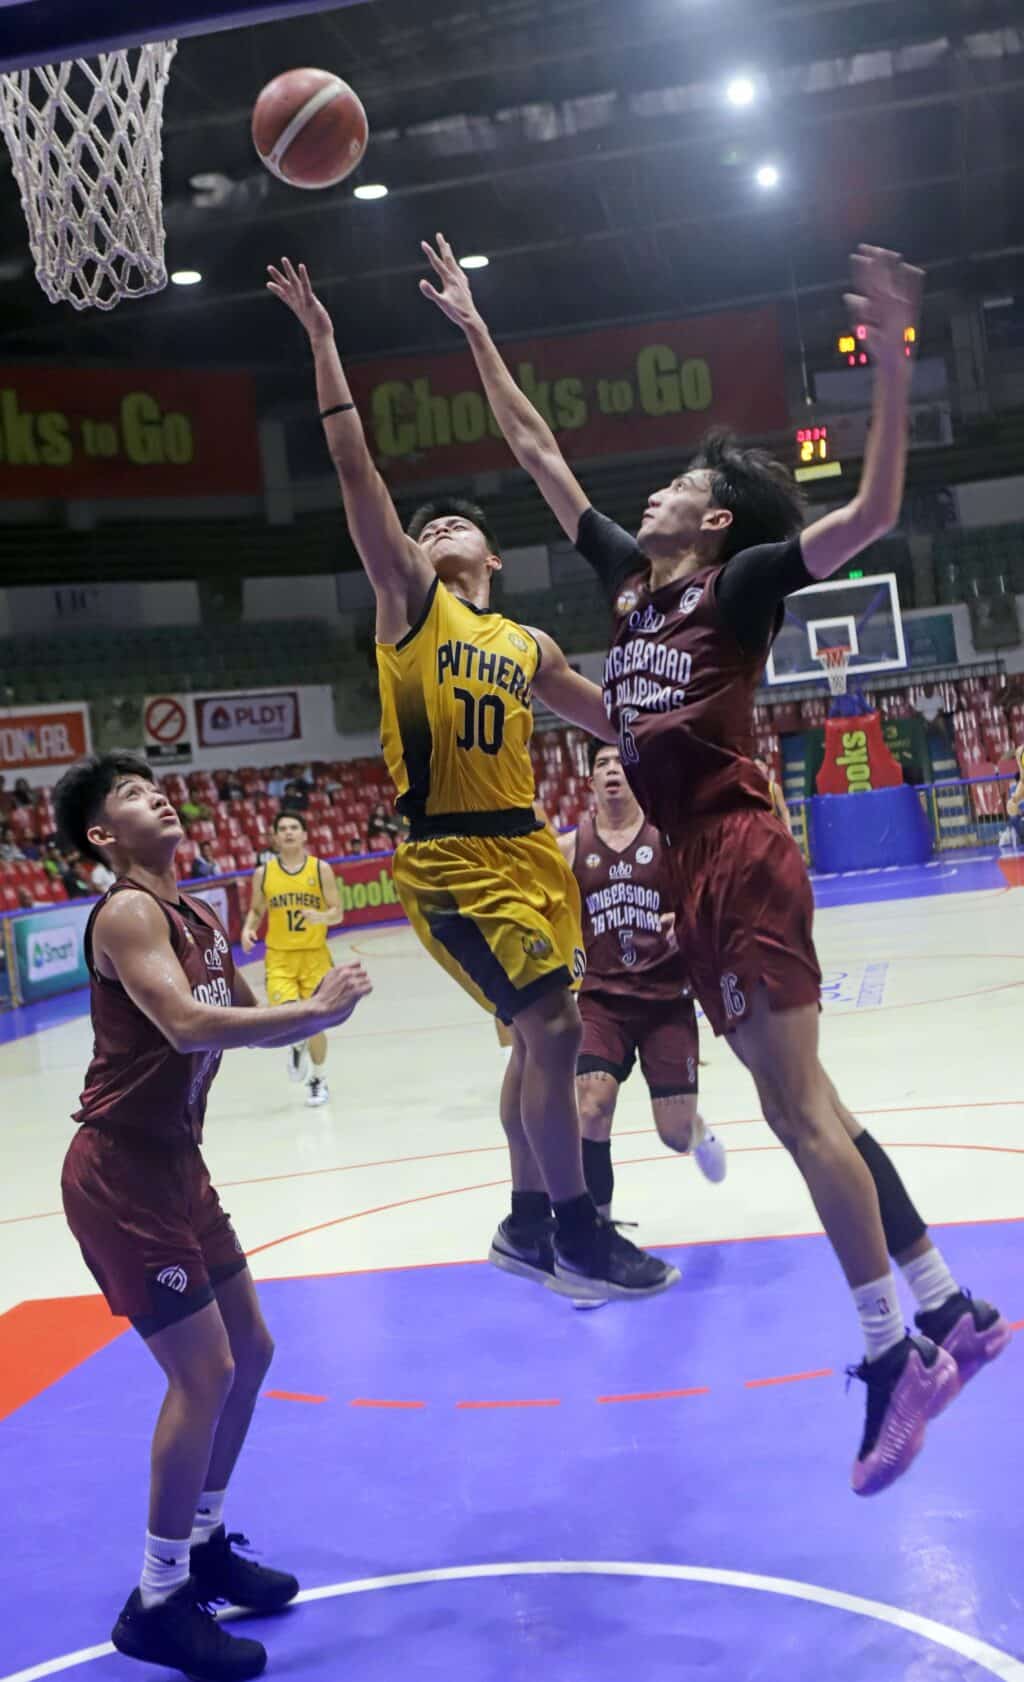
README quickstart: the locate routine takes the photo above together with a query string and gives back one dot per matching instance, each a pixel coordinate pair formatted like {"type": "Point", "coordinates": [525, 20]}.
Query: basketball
{"type": "Point", "coordinates": [309, 128]}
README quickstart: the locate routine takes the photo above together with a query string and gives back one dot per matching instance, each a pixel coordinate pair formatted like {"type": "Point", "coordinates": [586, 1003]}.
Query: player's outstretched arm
{"type": "Point", "coordinates": [569, 694]}
{"type": "Point", "coordinates": [527, 433]}
{"type": "Point", "coordinates": [132, 936]}
{"type": "Point", "coordinates": [400, 573]}
{"type": "Point", "coordinates": [887, 300]}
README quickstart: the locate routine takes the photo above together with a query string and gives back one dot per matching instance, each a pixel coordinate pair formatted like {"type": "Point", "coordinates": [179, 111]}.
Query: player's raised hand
{"type": "Point", "coordinates": [294, 288]}
{"type": "Point", "coordinates": [886, 299]}
{"type": "Point", "coordinates": [455, 299]}
{"type": "Point", "coordinates": [340, 991]}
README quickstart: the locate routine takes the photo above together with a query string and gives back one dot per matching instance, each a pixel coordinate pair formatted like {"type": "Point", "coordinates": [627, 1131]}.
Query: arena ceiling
{"type": "Point", "coordinates": [588, 149]}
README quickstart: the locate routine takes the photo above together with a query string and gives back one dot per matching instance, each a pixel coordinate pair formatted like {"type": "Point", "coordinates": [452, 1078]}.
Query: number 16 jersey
{"type": "Point", "coordinates": [289, 895]}
{"type": "Point", "coordinates": [456, 720]}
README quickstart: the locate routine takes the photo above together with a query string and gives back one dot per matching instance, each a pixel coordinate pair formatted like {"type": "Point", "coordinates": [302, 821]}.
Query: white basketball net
{"type": "Point", "coordinates": [84, 139]}
{"type": "Point", "coordinates": [835, 663]}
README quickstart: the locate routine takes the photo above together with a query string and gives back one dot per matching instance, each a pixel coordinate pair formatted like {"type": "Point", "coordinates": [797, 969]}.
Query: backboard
{"type": "Point", "coordinates": [861, 614]}
{"type": "Point", "coordinates": [49, 31]}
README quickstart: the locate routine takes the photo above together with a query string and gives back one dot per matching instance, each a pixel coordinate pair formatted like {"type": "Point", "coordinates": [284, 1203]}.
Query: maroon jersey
{"type": "Point", "coordinates": [136, 1081]}
{"type": "Point", "coordinates": [624, 896]}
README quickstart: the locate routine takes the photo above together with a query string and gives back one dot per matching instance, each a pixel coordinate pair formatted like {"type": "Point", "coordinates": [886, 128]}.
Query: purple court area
{"type": "Point", "coordinates": [585, 1459]}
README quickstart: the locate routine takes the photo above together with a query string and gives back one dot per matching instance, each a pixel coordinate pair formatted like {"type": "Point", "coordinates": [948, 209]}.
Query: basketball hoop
{"type": "Point", "coordinates": [835, 663]}
{"type": "Point", "coordinates": [85, 145]}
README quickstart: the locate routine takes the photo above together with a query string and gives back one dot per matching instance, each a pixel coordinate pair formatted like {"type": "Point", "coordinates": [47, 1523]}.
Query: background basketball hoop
{"type": "Point", "coordinates": [85, 144]}
{"type": "Point", "coordinates": [835, 663]}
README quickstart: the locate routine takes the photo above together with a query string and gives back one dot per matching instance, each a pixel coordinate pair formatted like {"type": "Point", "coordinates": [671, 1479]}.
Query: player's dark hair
{"type": "Point", "coordinates": [79, 796]}
{"type": "Point", "coordinates": [455, 507]}
{"type": "Point", "coordinates": [594, 747]}
{"type": "Point", "coordinates": [288, 813]}
{"type": "Point", "coordinates": [759, 492]}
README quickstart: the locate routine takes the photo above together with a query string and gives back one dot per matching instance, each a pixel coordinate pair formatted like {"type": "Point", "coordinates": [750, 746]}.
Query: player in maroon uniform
{"type": "Point", "coordinates": [166, 1002]}
{"type": "Point", "coordinates": [635, 1000]}
{"type": "Point", "coordinates": [717, 551]}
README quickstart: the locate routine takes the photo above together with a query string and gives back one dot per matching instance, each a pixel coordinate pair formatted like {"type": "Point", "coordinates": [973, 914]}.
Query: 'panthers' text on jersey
{"type": "Point", "coordinates": [456, 719]}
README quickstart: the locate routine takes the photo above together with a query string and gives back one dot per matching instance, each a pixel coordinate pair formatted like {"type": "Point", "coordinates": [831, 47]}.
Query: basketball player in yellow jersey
{"type": "Point", "coordinates": [300, 897]}
{"type": "Point", "coordinates": [483, 884]}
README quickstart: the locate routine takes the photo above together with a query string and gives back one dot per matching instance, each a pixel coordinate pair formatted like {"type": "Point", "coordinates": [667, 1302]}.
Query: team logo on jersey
{"type": "Point", "coordinates": [536, 946]}
{"type": "Point", "coordinates": [644, 855]}
{"type": "Point", "coordinates": [592, 861]}
{"type": "Point", "coordinates": [690, 598]}
{"type": "Point", "coordinates": [626, 601]}
{"type": "Point", "coordinates": [174, 1278]}
{"type": "Point", "coordinates": [579, 963]}
{"type": "Point", "coordinates": [646, 621]}
{"type": "Point", "coordinates": [213, 957]}
{"type": "Point", "coordinates": [619, 871]}
{"type": "Point", "coordinates": [519, 642]}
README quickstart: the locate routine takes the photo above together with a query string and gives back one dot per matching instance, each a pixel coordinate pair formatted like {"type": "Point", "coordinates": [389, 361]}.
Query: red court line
{"type": "Point", "coordinates": [538, 1402]}
{"type": "Point", "coordinates": [786, 1378]}
{"type": "Point", "coordinates": [381, 1209]}
{"type": "Point", "coordinates": [42, 1341]}
{"type": "Point", "coordinates": [372, 1402]}
{"type": "Point", "coordinates": [1017, 1325]}
{"type": "Point", "coordinates": [291, 1396]}
{"type": "Point", "coordinates": [657, 1395]}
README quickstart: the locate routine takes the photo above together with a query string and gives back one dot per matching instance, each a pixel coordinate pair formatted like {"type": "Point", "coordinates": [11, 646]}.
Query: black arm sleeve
{"type": "Point", "coordinates": [613, 554]}
{"type": "Point", "coordinates": [751, 587]}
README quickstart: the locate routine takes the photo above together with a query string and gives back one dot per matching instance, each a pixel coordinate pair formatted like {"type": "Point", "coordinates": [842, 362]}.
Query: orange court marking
{"type": "Point", "coordinates": [291, 1396]}
{"type": "Point", "coordinates": [42, 1341]}
{"type": "Point", "coordinates": [369, 1402]}
{"type": "Point", "coordinates": [787, 1378]}
{"type": "Point", "coordinates": [657, 1395]}
{"type": "Point", "coordinates": [540, 1402]}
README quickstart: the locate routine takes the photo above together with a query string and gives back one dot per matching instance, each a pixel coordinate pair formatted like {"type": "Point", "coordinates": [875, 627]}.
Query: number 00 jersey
{"type": "Point", "coordinates": [456, 720]}
{"type": "Point", "coordinates": [289, 896]}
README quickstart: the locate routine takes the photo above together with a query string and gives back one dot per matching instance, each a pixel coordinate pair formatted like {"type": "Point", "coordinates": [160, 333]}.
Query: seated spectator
{"type": "Point", "coordinates": [6, 799]}
{"type": "Point", "coordinates": [22, 792]}
{"type": "Point", "coordinates": [9, 849]}
{"type": "Point", "coordinates": [26, 902]}
{"type": "Point", "coordinates": [231, 788]}
{"type": "Point", "coordinates": [51, 859]}
{"type": "Point", "coordinates": [72, 873]}
{"type": "Point", "coordinates": [192, 810]}
{"type": "Point", "coordinates": [1015, 808]}
{"type": "Point", "coordinates": [204, 863]}
{"type": "Point", "coordinates": [102, 877]}
{"type": "Point", "coordinates": [382, 823]}
{"type": "Point", "coordinates": [295, 797]}
{"type": "Point", "coordinates": [354, 850]}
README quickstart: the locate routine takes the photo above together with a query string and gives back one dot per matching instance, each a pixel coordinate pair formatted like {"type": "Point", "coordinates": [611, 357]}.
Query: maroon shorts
{"type": "Point", "coordinates": [149, 1224]}
{"type": "Point", "coordinates": [618, 1027]}
{"type": "Point", "coordinates": [745, 914]}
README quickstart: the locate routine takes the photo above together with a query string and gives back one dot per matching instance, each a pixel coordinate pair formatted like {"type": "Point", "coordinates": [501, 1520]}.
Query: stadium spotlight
{"type": "Point", "coordinates": [767, 177]}
{"type": "Point", "coordinates": [372, 190]}
{"type": "Point", "coordinates": [477, 262]}
{"type": "Point", "coordinates": [185, 277]}
{"type": "Point", "coordinates": [740, 91]}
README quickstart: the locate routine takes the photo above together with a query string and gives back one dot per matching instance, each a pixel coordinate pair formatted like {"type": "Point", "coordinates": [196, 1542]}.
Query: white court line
{"type": "Point", "coordinates": [976, 1652]}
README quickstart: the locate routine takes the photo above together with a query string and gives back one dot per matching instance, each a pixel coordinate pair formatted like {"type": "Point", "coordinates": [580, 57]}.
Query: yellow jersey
{"type": "Point", "coordinates": [456, 720]}
{"type": "Point", "coordinates": [289, 895]}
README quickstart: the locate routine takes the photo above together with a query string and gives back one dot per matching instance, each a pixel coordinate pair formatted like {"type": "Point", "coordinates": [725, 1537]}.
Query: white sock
{"type": "Point", "coordinates": [930, 1280]}
{"type": "Point", "coordinates": [881, 1321]}
{"type": "Point", "coordinates": [164, 1569]}
{"type": "Point", "coordinates": [208, 1515]}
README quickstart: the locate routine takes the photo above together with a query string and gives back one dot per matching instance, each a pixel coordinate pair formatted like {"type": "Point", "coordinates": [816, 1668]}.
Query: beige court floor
{"type": "Point", "coordinates": [922, 1033]}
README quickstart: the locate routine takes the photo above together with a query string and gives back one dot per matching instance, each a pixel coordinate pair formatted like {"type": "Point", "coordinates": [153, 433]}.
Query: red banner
{"type": "Point", "coordinates": [30, 741]}
{"type": "Point", "coordinates": [617, 391]}
{"type": "Point", "coordinates": [856, 757]}
{"type": "Point", "coordinates": [113, 432]}
{"type": "Point", "coordinates": [367, 890]}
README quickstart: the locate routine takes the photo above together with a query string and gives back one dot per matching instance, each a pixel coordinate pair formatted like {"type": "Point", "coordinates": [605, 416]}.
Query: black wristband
{"type": "Point", "coordinates": [339, 409]}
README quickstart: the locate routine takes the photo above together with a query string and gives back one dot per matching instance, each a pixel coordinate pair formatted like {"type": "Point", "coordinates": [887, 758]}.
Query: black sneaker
{"type": "Point", "coordinates": [183, 1634]}
{"type": "Point", "coordinates": [600, 1264]}
{"type": "Point", "coordinates": [220, 1573]}
{"type": "Point", "coordinates": [972, 1331]}
{"type": "Point", "coordinates": [524, 1250]}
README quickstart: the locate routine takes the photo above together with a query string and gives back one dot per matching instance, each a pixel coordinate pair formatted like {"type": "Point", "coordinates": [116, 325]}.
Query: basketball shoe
{"type": "Point", "coordinates": [907, 1386]}
{"type": "Point", "coordinates": [709, 1155]}
{"type": "Point", "coordinates": [298, 1063]}
{"type": "Point", "coordinates": [183, 1634]}
{"type": "Point", "coordinates": [221, 1573]}
{"type": "Point", "coordinates": [973, 1332]}
{"type": "Point", "coordinates": [318, 1093]}
{"type": "Point", "coordinates": [526, 1251]}
{"type": "Point", "coordinates": [602, 1266]}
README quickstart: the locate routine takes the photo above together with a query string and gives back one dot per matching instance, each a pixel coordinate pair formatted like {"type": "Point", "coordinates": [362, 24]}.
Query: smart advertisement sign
{"type": "Point", "coordinates": [48, 950]}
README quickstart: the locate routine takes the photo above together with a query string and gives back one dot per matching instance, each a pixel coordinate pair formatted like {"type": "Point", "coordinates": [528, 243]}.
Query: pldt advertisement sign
{"type": "Point", "coordinates": [49, 952]}
{"type": "Point", "coordinates": [230, 720]}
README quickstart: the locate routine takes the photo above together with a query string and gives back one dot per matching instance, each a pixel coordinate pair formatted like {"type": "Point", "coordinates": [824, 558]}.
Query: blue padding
{"type": "Point", "coordinates": [869, 830]}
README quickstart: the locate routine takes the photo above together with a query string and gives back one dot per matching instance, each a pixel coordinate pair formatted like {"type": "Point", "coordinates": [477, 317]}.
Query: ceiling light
{"type": "Point", "coordinates": [185, 277]}
{"type": "Point", "coordinates": [478, 262]}
{"type": "Point", "coordinates": [740, 91]}
{"type": "Point", "coordinates": [372, 190]}
{"type": "Point", "coordinates": [767, 176]}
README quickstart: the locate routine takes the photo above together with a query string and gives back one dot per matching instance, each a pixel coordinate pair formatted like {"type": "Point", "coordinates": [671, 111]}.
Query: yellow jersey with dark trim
{"type": "Point", "coordinates": [456, 719]}
{"type": "Point", "coordinates": [289, 895]}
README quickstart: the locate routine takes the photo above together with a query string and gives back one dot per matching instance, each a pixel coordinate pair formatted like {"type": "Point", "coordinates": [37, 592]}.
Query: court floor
{"type": "Point", "coordinates": [472, 1480]}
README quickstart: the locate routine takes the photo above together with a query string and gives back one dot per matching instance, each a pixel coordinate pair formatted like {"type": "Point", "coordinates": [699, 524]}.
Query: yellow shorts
{"type": "Point", "coordinates": [295, 975]}
{"type": "Point", "coordinates": [501, 915]}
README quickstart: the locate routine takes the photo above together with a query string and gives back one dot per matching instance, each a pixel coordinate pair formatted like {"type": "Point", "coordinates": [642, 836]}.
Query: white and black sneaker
{"type": "Point", "coordinates": [318, 1093]}
{"type": "Point", "coordinates": [601, 1265]}
{"type": "Point", "coordinates": [526, 1251]}
{"type": "Point", "coordinates": [298, 1063]}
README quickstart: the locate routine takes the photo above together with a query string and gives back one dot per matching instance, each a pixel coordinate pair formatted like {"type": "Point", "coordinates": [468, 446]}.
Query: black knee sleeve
{"type": "Point", "coordinates": [901, 1222]}
{"type": "Point", "coordinates": [597, 1170]}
